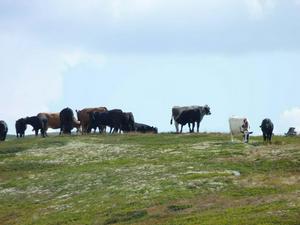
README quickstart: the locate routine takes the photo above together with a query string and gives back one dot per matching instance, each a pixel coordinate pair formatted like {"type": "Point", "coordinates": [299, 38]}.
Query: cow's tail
{"type": "Point", "coordinates": [171, 122]}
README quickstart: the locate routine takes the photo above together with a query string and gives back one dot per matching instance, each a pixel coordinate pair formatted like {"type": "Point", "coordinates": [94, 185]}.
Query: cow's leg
{"type": "Point", "coordinates": [36, 132]}
{"type": "Point", "coordinates": [176, 126]}
{"type": "Point", "coordinates": [193, 129]}
{"type": "Point", "coordinates": [181, 128]}
{"type": "Point", "coordinates": [190, 128]}
{"type": "Point", "coordinates": [43, 132]}
{"type": "Point", "coordinates": [85, 128]}
{"type": "Point", "coordinates": [61, 130]}
{"type": "Point", "coordinates": [198, 126]}
{"type": "Point", "coordinates": [265, 136]}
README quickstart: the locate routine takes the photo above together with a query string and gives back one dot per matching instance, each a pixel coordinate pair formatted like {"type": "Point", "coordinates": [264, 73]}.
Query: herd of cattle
{"type": "Point", "coordinates": [99, 118]}
{"type": "Point", "coordinates": [88, 119]}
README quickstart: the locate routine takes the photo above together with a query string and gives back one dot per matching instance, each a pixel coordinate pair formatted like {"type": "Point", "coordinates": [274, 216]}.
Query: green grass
{"type": "Point", "coordinates": [149, 179]}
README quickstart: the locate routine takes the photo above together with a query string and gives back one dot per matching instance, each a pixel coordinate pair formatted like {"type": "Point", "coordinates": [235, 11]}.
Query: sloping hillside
{"type": "Point", "coordinates": [149, 179]}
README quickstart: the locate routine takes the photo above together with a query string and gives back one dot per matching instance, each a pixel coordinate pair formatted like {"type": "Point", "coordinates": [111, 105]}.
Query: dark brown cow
{"type": "Point", "coordinates": [3, 130]}
{"type": "Point", "coordinates": [84, 118]}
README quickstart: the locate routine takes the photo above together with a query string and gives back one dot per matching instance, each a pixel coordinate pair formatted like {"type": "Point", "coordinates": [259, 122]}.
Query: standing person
{"type": "Point", "coordinates": [245, 130]}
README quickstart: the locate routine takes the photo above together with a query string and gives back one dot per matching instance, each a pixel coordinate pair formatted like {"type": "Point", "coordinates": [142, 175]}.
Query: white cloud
{"type": "Point", "coordinates": [31, 78]}
{"type": "Point", "coordinates": [291, 118]}
{"type": "Point", "coordinates": [31, 75]}
{"type": "Point", "coordinates": [77, 57]}
{"type": "Point", "coordinates": [259, 8]}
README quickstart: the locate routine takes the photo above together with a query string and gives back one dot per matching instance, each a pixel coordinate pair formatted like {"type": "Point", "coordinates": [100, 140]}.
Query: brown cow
{"type": "Point", "coordinates": [84, 118]}
{"type": "Point", "coordinates": [54, 121]}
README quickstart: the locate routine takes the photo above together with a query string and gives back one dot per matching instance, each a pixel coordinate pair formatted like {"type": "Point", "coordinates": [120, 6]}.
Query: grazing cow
{"type": "Point", "coordinates": [20, 127]}
{"type": "Point", "coordinates": [38, 123]}
{"type": "Point", "coordinates": [190, 115]}
{"type": "Point", "coordinates": [267, 128]}
{"type": "Point", "coordinates": [143, 128]}
{"type": "Point", "coordinates": [236, 127]}
{"type": "Point", "coordinates": [3, 130]}
{"type": "Point", "coordinates": [84, 117]}
{"type": "Point", "coordinates": [291, 132]}
{"type": "Point", "coordinates": [66, 117]}
{"type": "Point", "coordinates": [54, 121]}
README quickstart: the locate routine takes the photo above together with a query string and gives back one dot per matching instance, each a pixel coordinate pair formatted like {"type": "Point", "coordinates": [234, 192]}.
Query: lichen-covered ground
{"type": "Point", "coordinates": [149, 179]}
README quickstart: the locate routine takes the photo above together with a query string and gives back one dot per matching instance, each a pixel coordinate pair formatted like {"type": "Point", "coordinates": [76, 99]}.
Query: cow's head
{"type": "Point", "coordinates": [207, 110]}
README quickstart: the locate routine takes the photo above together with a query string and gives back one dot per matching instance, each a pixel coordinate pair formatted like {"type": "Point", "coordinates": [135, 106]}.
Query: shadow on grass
{"type": "Point", "coordinates": [126, 217]}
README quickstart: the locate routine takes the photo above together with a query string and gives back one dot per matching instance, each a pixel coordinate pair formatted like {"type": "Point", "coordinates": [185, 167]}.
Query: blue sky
{"type": "Point", "coordinates": [241, 57]}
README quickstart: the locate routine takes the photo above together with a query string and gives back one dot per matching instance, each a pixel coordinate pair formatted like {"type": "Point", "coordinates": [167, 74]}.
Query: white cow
{"type": "Point", "coordinates": [235, 125]}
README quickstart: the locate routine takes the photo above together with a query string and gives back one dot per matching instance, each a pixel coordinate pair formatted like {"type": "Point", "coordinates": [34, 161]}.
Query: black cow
{"type": "Point", "coordinates": [20, 127]}
{"type": "Point", "coordinates": [127, 124]}
{"type": "Point", "coordinates": [112, 118]}
{"type": "Point", "coordinates": [192, 115]}
{"type": "Point", "coordinates": [267, 128]}
{"type": "Point", "coordinates": [38, 123]}
{"type": "Point", "coordinates": [143, 128]}
{"type": "Point", "coordinates": [116, 119]}
{"type": "Point", "coordinates": [3, 130]}
{"type": "Point", "coordinates": [98, 120]}
{"type": "Point", "coordinates": [66, 117]}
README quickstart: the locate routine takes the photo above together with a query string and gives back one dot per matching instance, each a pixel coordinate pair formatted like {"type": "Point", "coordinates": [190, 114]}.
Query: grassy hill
{"type": "Point", "coordinates": [149, 179]}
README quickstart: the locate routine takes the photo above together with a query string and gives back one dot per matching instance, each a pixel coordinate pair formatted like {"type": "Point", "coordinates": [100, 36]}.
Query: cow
{"type": "Point", "coordinates": [84, 117]}
{"type": "Point", "coordinates": [20, 127]}
{"type": "Point", "coordinates": [189, 115]}
{"type": "Point", "coordinates": [98, 120]}
{"type": "Point", "coordinates": [291, 132]}
{"type": "Point", "coordinates": [144, 128]}
{"type": "Point", "coordinates": [66, 117]}
{"type": "Point", "coordinates": [3, 130]}
{"type": "Point", "coordinates": [54, 121]}
{"type": "Point", "coordinates": [116, 119]}
{"type": "Point", "coordinates": [267, 128]}
{"type": "Point", "coordinates": [176, 111]}
{"type": "Point", "coordinates": [127, 124]}
{"type": "Point", "coordinates": [38, 123]}
{"type": "Point", "coordinates": [236, 128]}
